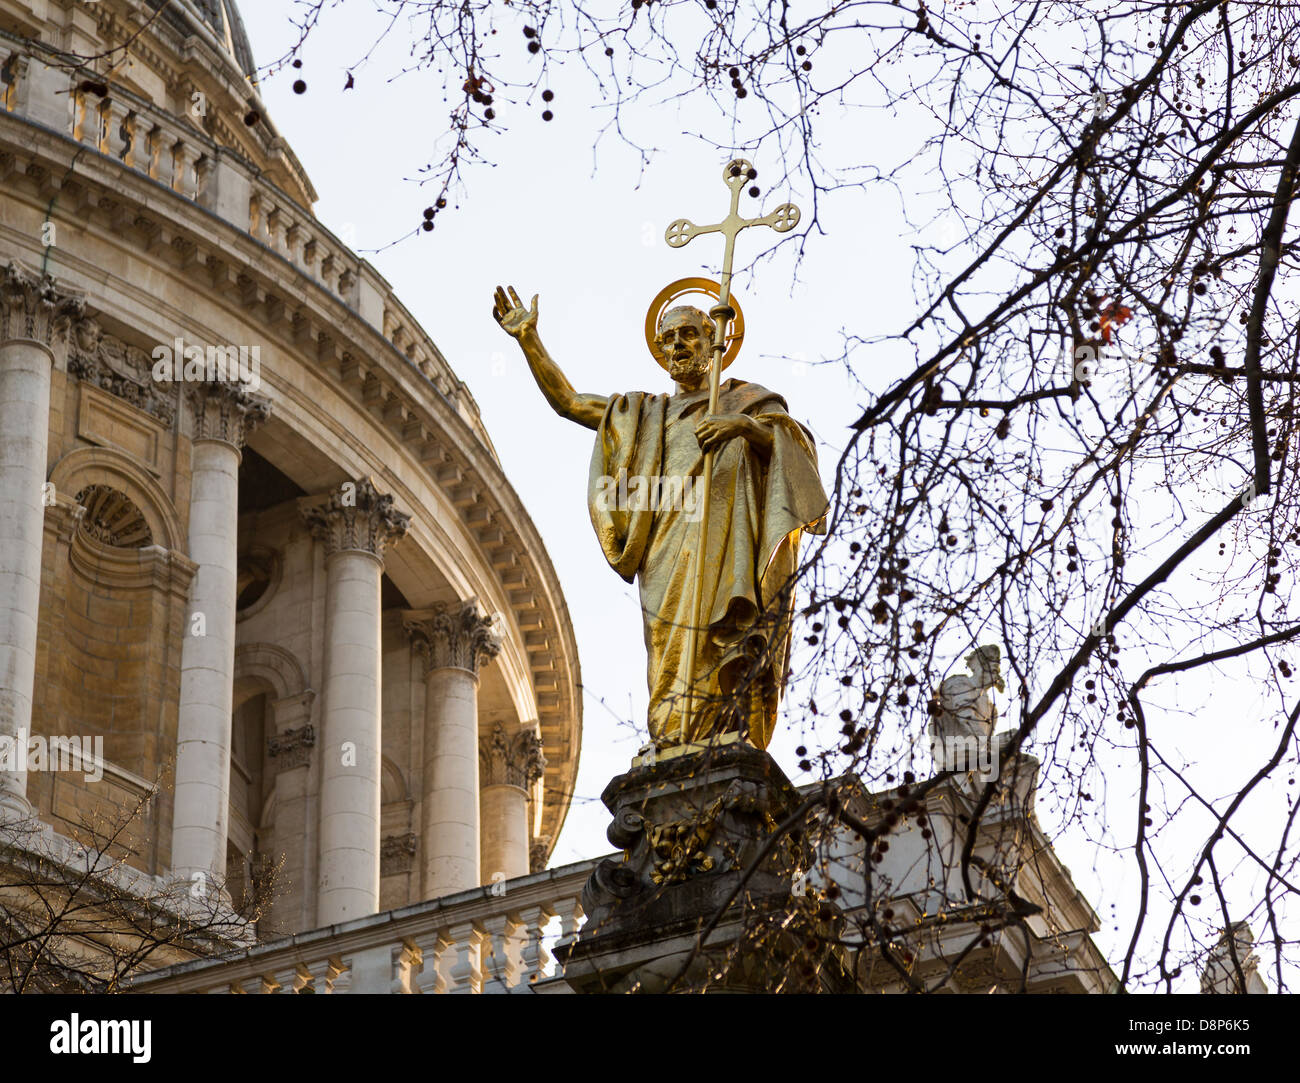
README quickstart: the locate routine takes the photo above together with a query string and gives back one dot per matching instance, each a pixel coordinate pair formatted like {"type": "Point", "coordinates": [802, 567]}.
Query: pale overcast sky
{"type": "Point", "coordinates": [585, 231]}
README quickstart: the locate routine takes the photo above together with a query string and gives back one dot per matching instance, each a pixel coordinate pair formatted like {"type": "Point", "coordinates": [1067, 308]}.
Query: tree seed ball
{"type": "Point", "coordinates": [548, 95]}
{"type": "Point", "coordinates": [800, 50]}
{"type": "Point", "coordinates": [428, 212]}
{"type": "Point", "coordinates": [428, 227]}
{"type": "Point", "coordinates": [490, 114]}
{"type": "Point", "coordinates": [754, 190]}
{"type": "Point", "coordinates": [734, 72]}
{"type": "Point", "coordinates": [752, 174]}
{"type": "Point", "coordinates": [547, 115]}
{"type": "Point", "coordinates": [609, 51]}
{"type": "Point", "coordinates": [807, 65]}
{"type": "Point", "coordinates": [297, 63]}
{"type": "Point", "coordinates": [741, 92]}
{"type": "Point", "coordinates": [529, 32]}
{"type": "Point", "coordinates": [299, 87]}
{"type": "Point", "coordinates": [534, 47]}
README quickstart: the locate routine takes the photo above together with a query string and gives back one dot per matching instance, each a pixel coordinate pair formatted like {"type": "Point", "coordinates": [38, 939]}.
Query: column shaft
{"type": "Point", "coordinates": [356, 524]}
{"type": "Point", "coordinates": [505, 831]}
{"type": "Point", "coordinates": [453, 640]}
{"type": "Point", "coordinates": [351, 764]}
{"type": "Point", "coordinates": [34, 314]}
{"type": "Point", "coordinates": [24, 440]}
{"type": "Point", "coordinates": [224, 413]}
{"type": "Point", "coordinates": [511, 765]}
{"type": "Point", "coordinates": [451, 797]}
{"type": "Point", "coordinates": [202, 803]}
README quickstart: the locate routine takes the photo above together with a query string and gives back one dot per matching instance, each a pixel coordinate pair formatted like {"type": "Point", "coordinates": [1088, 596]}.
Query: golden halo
{"type": "Point", "coordinates": [680, 288]}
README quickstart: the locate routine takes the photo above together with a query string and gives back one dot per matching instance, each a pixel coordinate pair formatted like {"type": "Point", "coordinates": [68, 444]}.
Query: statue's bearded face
{"type": "Point", "coordinates": [685, 340]}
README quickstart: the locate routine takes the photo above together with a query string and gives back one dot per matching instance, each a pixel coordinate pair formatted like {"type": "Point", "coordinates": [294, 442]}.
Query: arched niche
{"type": "Point", "coordinates": [90, 466]}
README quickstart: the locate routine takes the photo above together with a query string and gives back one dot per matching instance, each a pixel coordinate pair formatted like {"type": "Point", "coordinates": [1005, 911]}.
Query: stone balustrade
{"type": "Point", "coordinates": [474, 941]}
{"type": "Point", "coordinates": [152, 141]}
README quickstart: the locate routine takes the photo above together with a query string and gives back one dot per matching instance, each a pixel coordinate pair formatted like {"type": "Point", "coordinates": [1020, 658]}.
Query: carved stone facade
{"type": "Point", "coordinates": [226, 412]}
{"type": "Point", "coordinates": [123, 371]}
{"type": "Point", "coordinates": [397, 854]}
{"type": "Point", "coordinates": [183, 578]}
{"type": "Point", "coordinates": [357, 517]}
{"type": "Point", "coordinates": [34, 308]}
{"type": "Point", "coordinates": [508, 760]}
{"type": "Point", "coordinates": [292, 748]}
{"type": "Point", "coordinates": [453, 636]}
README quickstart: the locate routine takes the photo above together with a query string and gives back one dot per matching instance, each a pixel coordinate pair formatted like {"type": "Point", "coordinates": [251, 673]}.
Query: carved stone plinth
{"type": "Point", "coordinates": [694, 830]}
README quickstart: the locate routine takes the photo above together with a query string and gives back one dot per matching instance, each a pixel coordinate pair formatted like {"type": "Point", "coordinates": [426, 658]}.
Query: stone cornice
{"type": "Point", "coordinates": [34, 308]}
{"type": "Point", "coordinates": [226, 412]}
{"type": "Point", "coordinates": [506, 760]}
{"type": "Point", "coordinates": [451, 636]}
{"type": "Point", "coordinates": [357, 517]}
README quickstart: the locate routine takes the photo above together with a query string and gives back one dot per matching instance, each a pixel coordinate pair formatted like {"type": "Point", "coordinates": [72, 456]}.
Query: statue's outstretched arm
{"type": "Point", "coordinates": [521, 324]}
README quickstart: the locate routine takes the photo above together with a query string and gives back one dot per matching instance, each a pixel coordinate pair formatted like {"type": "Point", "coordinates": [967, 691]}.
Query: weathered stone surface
{"type": "Point", "coordinates": [697, 835]}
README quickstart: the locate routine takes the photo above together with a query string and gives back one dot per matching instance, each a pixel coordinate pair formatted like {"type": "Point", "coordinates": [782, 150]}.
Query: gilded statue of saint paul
{"type": "Point", "coordinates": [765, 492]}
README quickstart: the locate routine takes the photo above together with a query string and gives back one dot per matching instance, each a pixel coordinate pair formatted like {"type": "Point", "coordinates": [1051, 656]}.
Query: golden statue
{"type": "Point", "coordinates": [719, 461]}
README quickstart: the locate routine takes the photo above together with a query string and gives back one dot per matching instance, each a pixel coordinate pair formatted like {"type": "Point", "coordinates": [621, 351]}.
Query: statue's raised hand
{"type": "Point", "coordinates": [511, 314]}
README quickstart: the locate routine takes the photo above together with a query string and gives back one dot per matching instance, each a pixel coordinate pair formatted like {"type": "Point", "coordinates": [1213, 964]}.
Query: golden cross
{"type": "Point", "coordinates": [735, 175]}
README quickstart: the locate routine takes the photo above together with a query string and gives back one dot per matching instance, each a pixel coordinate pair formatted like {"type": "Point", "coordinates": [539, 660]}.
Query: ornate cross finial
{"type": "Point", "coordinates": [735, 175]}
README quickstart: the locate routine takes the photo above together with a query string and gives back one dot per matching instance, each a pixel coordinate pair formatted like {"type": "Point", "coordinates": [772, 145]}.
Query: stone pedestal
{"type": "Point", "coordinates": [694, 830]}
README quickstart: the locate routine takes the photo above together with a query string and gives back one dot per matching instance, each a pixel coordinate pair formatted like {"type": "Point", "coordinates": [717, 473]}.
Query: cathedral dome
{"type": "Point", "coordinates": [222, 18]}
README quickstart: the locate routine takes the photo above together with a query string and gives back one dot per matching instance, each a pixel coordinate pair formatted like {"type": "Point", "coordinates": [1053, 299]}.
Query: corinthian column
{"type": "Point", "coordinates": [224, 415]}
{"type": "Point", "coordinates": [33, 314]}
{"type": "Point", "coordinates": [510, 764]}
{"type": "Point", "coordinates": [452, 640]}
{"type": "Point", "coordinates": [355, 526]}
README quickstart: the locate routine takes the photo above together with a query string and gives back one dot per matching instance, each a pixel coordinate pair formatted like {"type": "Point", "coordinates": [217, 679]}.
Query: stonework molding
{"type": "Point", "coordinates": [124, 371]}
{"type": "Point", "coordinates": [397, 854]}
{"type": "Point", "coordinates": [452, 636]}
{"type": "Point", "coordinates": [34, 308]}
{"type": "Point", "coordinates": [539, 853]}
{"type": "Point", "coordinates": [226, 411]}
{"type": "Point", "coordinates": [508, 760]}
{"type": "Point", "coordinates": [292, 748]}
{"type": "Point", "coordinates": [85, 467]}
{"type": "Point", "coordinates": [273, 664]}
{"type": "Point", "coordinates": [357, 517]}
{"type": "Point", "coordinates": [112, 518]}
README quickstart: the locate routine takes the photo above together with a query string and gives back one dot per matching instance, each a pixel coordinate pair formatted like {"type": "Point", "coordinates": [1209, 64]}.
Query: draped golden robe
{"type": "Point", "coordinates": [758, 512]}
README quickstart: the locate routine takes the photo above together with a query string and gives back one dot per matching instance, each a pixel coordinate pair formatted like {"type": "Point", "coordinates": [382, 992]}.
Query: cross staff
{"type": "Point", "coordinates": [735, 175]}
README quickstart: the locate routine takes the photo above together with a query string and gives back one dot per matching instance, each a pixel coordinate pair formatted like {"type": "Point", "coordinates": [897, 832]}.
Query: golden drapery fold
{"type": "Point", "coordinates": [644, 494]}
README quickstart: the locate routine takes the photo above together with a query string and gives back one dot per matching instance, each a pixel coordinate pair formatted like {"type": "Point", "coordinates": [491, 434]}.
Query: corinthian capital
{"type": "Point", "coordinates": [452, 635]}
{"type": "Point", "coordinates": [357, 516]}
{"type": "Point", "coordinates": [35, 308]}
{"type": "Point", "coordinates": [227, 412]}
{"type": "Point", "coordinates": [510, 761]}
